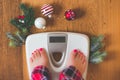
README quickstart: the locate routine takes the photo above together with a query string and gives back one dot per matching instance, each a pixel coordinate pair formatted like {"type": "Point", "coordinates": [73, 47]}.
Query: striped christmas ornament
{"type": "Point", "coordinates": [47, 10]}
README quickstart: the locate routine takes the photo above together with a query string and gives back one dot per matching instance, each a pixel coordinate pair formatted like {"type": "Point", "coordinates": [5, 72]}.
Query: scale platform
{"type": "Point", "coordinates": [57, 43]}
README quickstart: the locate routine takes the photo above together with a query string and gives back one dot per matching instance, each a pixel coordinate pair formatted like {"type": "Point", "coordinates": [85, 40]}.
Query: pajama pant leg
{"type": "Point", "coordinates": [70, 73]}
{"type": "Point", "coordinates": [42, 73]}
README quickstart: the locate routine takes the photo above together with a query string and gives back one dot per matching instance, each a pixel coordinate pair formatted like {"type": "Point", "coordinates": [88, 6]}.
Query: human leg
{"type": "Point", "coordinates": [39, 65]}
{"type": "Point", "coordinates": [76, 65]}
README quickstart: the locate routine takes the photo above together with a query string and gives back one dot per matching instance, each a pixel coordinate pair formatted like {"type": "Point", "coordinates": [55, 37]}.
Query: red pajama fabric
{"type": "Point", "coordinates": [42, 73]}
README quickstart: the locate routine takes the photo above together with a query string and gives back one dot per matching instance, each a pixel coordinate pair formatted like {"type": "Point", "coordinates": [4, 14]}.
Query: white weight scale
{"type": "Point", "coordinates": [57, 43]}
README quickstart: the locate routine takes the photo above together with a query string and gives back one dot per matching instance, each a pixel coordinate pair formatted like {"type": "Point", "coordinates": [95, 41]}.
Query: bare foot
{"type": "Point", "coordinates": [39, 57]}
{"type": "Point", "coordinates": [78, 60]}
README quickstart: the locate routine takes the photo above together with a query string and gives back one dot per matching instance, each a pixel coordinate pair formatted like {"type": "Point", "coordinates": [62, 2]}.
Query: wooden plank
{"type": "Point", "coordinates": [10, 58]}
{"type": "Point", "coordinates": [1, 24]}
{"type": "Point", "coordinates": [108, 25]}
{"type": "Point", "coordinates": [25, 70]}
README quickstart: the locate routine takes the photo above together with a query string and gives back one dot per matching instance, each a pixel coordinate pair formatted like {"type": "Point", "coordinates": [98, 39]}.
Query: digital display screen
{"type": "Point", "coordinates": [58, 39]}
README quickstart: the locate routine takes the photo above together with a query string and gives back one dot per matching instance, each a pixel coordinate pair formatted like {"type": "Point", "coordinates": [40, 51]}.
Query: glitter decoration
{"type": "Point", "coordinates": [69, 15]}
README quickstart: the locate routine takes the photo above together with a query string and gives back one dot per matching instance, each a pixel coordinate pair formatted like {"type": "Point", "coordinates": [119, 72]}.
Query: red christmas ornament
{"type": "Point", "coordinates": [47, 10]}
{"type": "Point", "coordinates": [69, 15]}
{"type": "Point", "coordinates": [21, 17]}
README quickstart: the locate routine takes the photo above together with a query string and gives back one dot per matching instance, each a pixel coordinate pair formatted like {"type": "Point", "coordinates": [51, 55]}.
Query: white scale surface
{"type": "Point", "coordinates": [72, 41]}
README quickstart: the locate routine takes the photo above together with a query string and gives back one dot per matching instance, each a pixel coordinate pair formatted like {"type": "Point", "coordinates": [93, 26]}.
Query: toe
{"type": "Point", "coordinates": [74, 53]}
{"type": "Point", "coordinates": [31, 60]}
{"type": "Point", "coordinates": [43, 52]}
{"type": "Point", "coordinates": [78, 56]}
{"type": "Point", "coordinates": [84, 65]}
{"type": "Point", "coordinates": [82, 57]}
{"type": "Point", "coordinates": [37, 53]}
{"type": "Point", "coordinates": [84, 60]}
{"type": "Point", "coordinates": [33, 55]}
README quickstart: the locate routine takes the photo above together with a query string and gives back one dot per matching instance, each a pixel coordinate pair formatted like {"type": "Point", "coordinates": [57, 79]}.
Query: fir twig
{"type": "Point", "coordinates": [96, 55]}
{"type": "Point", "coordinates": [29, 15]}
{"type": "Point", "coordinates": [14, 40]}
{"type": "Point", "coordinates": [96, 43]}
{"type": "Point", "coordinates": [19, 37]}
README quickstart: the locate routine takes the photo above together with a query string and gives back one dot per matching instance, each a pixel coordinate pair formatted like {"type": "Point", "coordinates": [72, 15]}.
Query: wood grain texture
{"type": "Point", "coordinates": [10, 58]}
{"type": "Point", "coordinates": [94, 17]}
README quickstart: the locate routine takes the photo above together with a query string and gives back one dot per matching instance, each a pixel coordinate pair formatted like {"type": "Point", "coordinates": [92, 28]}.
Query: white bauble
{"type": "Point", "coordinates": [40, 23]}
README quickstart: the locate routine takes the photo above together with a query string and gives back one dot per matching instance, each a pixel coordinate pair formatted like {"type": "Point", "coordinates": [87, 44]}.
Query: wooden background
{"type": "Point", "coordinates": [94, 17]}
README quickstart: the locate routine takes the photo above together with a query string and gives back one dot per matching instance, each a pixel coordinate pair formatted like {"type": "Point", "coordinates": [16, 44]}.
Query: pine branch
{"type": "Point", "coordinates": [14, 40]}
{"type": "Point", "coordinates": [29, 15]}
{"type": "Point", "coordinates": [20, 36]}
{"type": "Point", "coordinates": [17, 24]}
{"type": "Point", "coordinates": [28, 20]}
{"type": "Point", "coordinates": [23, 25]}
{"type": "Point", "coordinates": [24, 8]}
{"type": "Point", "coordinates": [97, 56]}
{"type": "Point", "coordinates": [96, 43]}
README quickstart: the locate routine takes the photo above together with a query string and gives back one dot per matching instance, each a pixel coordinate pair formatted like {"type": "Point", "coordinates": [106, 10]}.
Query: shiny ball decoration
{"type": "Point", "coordinates": [40, 23]}
{"type": "Point", "coordinates": [21, 19]}
{"type": "Point", "coordinates": [70, 14]}
{"type": "Point", "coordinates": [47, 10]}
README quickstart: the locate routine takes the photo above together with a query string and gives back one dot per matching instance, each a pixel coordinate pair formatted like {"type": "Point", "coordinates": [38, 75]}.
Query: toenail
{"type": "Point", "coordinates": [41, 49]}
{"type": "Point", "coordinates": [75, 50]}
